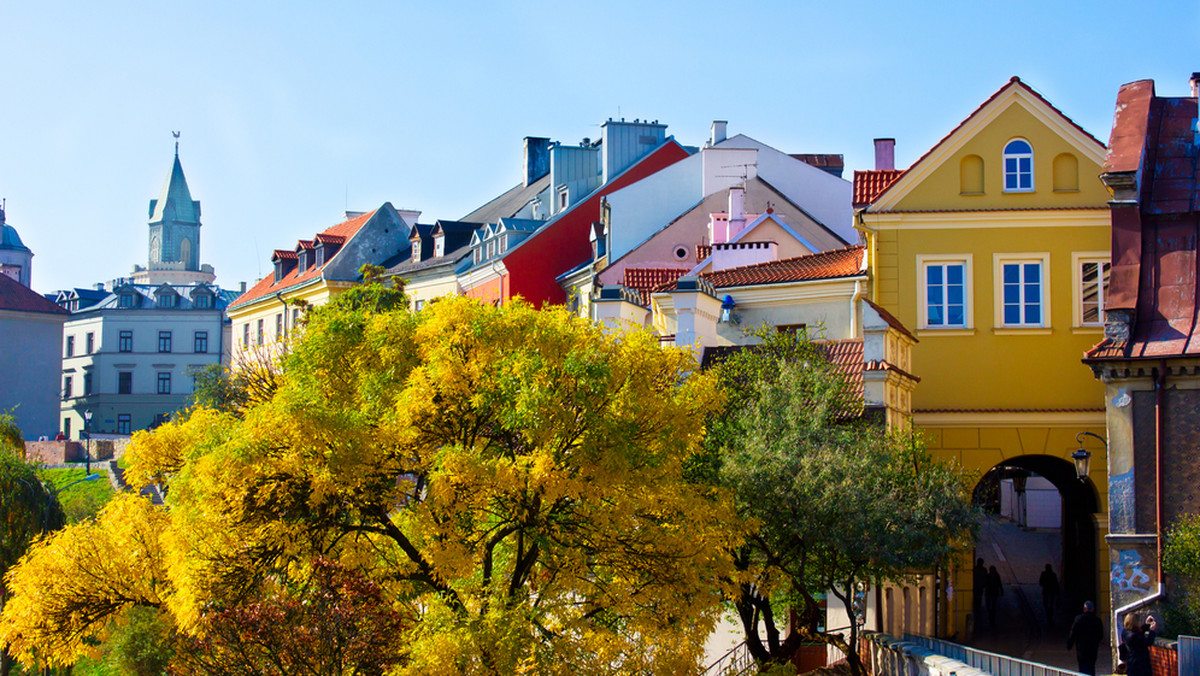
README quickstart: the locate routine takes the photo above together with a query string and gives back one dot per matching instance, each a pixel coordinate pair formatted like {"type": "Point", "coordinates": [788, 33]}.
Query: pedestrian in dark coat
{"type": "Point", "coordinates": [979, 579]}
{"type": "Point", "coordinates": [1087, 631]}
{"type": "Point", "coordinates": [993, 590]}
{"type": "Point", "coordinates": [1137, 638]}
{"type": "Point", "coordinates": [1049, 583]}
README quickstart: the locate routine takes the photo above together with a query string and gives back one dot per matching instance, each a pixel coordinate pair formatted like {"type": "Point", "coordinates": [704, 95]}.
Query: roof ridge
{"type": "Point", "coordinates": [791, 259]}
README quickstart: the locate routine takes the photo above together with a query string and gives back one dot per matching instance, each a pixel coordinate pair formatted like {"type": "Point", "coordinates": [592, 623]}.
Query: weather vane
{"type": "Point", "coordinates": [176, 135]}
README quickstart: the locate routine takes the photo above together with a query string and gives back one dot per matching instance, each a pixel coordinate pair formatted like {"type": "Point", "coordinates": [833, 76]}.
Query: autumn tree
{"type": "Point", "coordinates": [837, 500]}
{"type": "Point", "coordinates": [510, 479]}
{"type": "Point", "coordinates": [27, 509]}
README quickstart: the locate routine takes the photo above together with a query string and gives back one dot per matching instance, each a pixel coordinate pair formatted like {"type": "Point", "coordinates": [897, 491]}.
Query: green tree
{"type": "Point", "coordinates": [27, 509]}
{"type": "Point", "coordinates": [836, 500]}
{"type": "Point", "coordinates": [512, 480]}
{"type": "Point", "coordinates": [1181, 562]}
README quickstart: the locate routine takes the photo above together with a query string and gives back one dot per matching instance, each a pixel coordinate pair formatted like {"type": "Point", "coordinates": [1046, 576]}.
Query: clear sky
{"type": "Point", "coordinates": [293, 111]}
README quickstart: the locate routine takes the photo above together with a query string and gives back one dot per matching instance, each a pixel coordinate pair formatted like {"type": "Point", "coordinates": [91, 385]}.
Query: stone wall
{"type": "Point", "coordinates": [58, 452]}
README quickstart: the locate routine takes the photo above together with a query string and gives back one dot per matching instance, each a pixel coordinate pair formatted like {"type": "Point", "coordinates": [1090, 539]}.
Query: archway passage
{"type": "Point", "coordinates": [1037, 512]}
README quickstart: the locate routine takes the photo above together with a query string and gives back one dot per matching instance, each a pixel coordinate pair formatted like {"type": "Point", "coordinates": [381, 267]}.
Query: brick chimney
{"type": "Point", "coordinates": [885, 154]}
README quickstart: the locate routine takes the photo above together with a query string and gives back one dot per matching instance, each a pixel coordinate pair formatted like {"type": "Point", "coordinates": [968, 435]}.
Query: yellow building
{"type": "Point", "coordinates": [994, 248]}
{"type": "Point", "coordinates": [310, 274]}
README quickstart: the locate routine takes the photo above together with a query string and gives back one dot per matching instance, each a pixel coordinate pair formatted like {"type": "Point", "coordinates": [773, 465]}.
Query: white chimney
{"type": "Point", "coordinates": [718, 132]}
{"type": "Point", "coordinates": [885, 154]}
{"type": "Point", "coordinates": [737, 210]}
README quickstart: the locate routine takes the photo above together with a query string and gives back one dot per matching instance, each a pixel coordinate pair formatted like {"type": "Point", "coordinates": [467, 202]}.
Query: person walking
{"type": "Point", "coordinates": [1050, 591]}
{"type": "Point", "coordinates": [979, 580]}
{"type": "Point", "coordinates": [1137, 639]}
{"type": "Point", "coordinates": [1087, 631]}
{"type": "Point", "coordinates": [993, 589]}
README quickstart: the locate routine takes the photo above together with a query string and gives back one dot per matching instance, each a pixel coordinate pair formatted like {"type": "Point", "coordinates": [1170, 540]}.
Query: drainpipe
{"type": "Point", "coordinates": [1160, 381]}
{"type": "Point", "coordinates": [855, 328]}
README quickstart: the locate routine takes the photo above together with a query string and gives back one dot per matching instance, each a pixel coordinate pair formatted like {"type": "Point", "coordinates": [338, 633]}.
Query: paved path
{"type": "Point", "coordinates": [1021, 627]}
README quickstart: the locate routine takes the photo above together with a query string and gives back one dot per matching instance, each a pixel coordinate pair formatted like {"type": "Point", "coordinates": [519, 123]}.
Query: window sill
{"type": "Point", "coordinates": [1022, 331]}
{"type": "Point", "coordinates": [945, 332]}
{"type": "Point", "coordinates": [1019, 192]}
{"type": "Point", "coordinates": [980, 192]}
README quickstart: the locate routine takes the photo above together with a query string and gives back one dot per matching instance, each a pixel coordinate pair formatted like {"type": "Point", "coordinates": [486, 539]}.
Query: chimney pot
{"type": "Point", "coordinates": [1195, 82]}
{"type": "Point", "coordinates": [885, 154]}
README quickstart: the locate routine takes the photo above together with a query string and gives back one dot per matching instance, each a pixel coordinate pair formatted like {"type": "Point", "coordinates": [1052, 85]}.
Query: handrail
{"type": "Point", "coordinates": [736, 662]}
{"type": "Point", "coordinates": [993, 663]}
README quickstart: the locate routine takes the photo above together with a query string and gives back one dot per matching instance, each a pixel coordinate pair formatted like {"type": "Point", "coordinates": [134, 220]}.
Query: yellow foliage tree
{"type": "Point", "coordinates": [512, 479]}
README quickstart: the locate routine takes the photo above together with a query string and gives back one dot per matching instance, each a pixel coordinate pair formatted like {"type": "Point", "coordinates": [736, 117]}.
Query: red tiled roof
{"type": "Point", "coordinates": [267, 285]}
{"type": "Point", "coordinates": [891, 320]}
{"type": "Point", "coordinates": [845, 262]}
{"type": "Point", "coordinates": [330, 239]}
{"type": "Point", "coordinates": [16, 297]}
{"type": "Point", "coordinates": [703, 251]}
{"type": "Point", "coordinates": [846, 356]}
{"type": "Point", "coordinates": [870, 184]}
{"type": "Point", "coordinates": [645, 280]}
{"type": "Point", "coordinates": [306, 244]}
{"type": "Point", "coordinates": [284, 254]}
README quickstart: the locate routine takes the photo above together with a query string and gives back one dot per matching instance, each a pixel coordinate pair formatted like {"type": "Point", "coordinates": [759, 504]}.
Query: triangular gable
{"type": "Point", "coordinates": [1014, 93]}
{"type": "Point", "coordinates": [769, 216]}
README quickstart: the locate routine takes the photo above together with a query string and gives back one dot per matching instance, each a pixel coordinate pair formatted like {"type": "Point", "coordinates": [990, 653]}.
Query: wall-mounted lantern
{"type": "Point", "coordinates": [727, 306]}
{"type": "Point", "coordinates": [1082, 457]}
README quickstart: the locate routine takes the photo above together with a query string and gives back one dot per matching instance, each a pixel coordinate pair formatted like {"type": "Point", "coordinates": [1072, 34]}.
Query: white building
{"type": "Point", "coordinates": [132, 347]}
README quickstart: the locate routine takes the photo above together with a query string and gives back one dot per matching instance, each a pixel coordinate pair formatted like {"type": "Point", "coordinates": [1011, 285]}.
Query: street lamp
{"type": "Point", "coordinates": [87, 435]}
{"type": "Point", "coordinates": [1081, 457]}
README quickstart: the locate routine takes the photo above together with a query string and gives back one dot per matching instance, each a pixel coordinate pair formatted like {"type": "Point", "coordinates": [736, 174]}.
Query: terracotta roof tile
{"type": "Point", "coordinates": [645, 280]}
{"type": "Point", "coordinates": [703, 251]}
{"type": "Point", "coordinates": [870, 184]}
{"type": "Point", "coordinates": [891, 320]}
{"type": "Point", "coordinates": [306, 244]}
{"type": "Point", "coordinates": [267, 285]}
{"type": "Point", "coordinates": [284, 254]}
{"type": "Point", "coordinates": [330, 239]}
{"type": "Point", "coordinates": [16, 297]}
{"type": "Point", "coordinates": [845, 262]}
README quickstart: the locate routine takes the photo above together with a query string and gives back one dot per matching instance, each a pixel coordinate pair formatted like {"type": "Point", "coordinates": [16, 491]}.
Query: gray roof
{"type": "Point", "coordinates": [508, 204]}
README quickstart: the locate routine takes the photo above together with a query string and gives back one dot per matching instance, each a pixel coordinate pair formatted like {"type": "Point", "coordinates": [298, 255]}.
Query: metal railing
{"type": "Point", "coordinates": [992, 663]}
{"type": "Point", "coordinates": [736, 662]}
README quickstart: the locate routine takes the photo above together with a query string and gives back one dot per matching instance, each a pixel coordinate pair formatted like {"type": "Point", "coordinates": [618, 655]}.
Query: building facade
{"type": "Point", "coordinates": [993, 248]}
{"type": "Point", "coordinates": [132, 346]}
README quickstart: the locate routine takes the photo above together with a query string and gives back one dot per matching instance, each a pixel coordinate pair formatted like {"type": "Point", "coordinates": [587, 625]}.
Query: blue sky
{"type": "Point", "coordinates": [293, 111]}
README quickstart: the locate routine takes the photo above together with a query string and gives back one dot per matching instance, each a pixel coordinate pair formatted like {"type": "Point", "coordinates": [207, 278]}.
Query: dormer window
{"type": "Point", "coordinates": [126, 300]}
{"type": "Point", "coordinates": [491, 248]}
{"type": "Point", "coordinates": [416, 257]}
{"type": "Point", "coordinates": [278, 271]}
{"type": "Point", "coordinates": [302, 261]}
{"type": "Point", "coordinates": [320, 255]}
{"type": "Point", "coordinates": [166, 299]}
{"type": "Point", "coordinates": [439, 246]}
{"type": "Point", "coordinates": [563, 198]}
{"type": "Point", "coordinates": [202, 301]}
{"type": "Point", "coordinates": [478, 254]}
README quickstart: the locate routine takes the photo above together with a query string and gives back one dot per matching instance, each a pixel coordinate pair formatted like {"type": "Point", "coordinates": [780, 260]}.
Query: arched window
{"type": "Point", "coordinates": [185, 251]}
{"type": "Point", "coordinates": [1018, 166]}
{"type": "Point", "coordinates": [970, 175]}
{"type": "Point", "coordinates": [1066, 173]}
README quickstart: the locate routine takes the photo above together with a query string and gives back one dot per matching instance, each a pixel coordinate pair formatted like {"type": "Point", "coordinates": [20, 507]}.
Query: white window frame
{"type": "Point", "coordinates": [1078, 260]}
{"type": "Point", "coordinates": [1005, 155]}
{"type": "Point", "coordinates": [999, 260]}
{"type": "Point", "coordinates": [564, 198]}
{"type": "Point", "coordinates": [439, 246]}
{"type": "Point", "coordinates": [924, 261]}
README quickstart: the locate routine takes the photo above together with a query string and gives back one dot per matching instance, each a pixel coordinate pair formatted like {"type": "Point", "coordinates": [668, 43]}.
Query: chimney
{"type": "Point", "coordinates": [242, 287]}
{"type": "Point", "coordinates": [737, 210]}
{"type": "Point", "coordinates": [1195, 82]}
{"type": "Point", "coordinates": [885, 154]}
{"type": "Point", "coordinates": [537, 158]}
{"type": "Point", "coordinates": [718, 132]}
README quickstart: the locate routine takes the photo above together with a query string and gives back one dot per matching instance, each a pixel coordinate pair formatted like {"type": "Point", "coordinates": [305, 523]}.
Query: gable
{"type": "Point", "coordinates": [965, 171]}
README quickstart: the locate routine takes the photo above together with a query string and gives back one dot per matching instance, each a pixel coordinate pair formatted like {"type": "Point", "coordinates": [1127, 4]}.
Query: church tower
{"type": "Point", "coordinates": [174, 235]}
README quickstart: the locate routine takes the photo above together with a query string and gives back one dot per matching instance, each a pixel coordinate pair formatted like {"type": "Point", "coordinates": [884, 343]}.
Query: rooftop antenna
{"type": "Point", "coordinates": [176, 135]}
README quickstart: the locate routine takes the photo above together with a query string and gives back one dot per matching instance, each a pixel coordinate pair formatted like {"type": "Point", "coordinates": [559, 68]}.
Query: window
{"type": "Point", "coordinates": [295, 318]}
{"type": "Point", "coordinates": [439, 246]}
{"type": "Point", "coordinates": [164, 341]}
{"type": "Point", "coordinates": [946, 293]}
{"type": "Point", "coordinates": [278, 325]}
{"type": "Point", "coordinates": [70, 346]}
{"type": "Point", "coordinates": [320, 251]}
{"type": "Point", "coordinates": [563, 199]}
{"type": "Point", "coordinates": [200, 342]}
{"type": "Point", "coordinates": [478, 253]}
{"type": "Point", "coordinates": [1091, 270]}
{"type": "Point", "coordinates": [125, 341]}
{"type": "Point", "coordinates": [68, 387]}
{"type": "Point", "coordinates": [166, 300]}
{"type": "Point", "coordinates": [416, 257]}
{"type": "Point", "coordinates": [1018, 166]}
{"type": "Point", "coordinates": [419, 305]}
{"type": "Point", "coordinates": [91, 342]}
{"type": "Point", "coordinates": [202, 301]}
{"type": "Point", "coordinates": [491, 248]}
{"type": "Point", "coordinates": [245, 335]}
{"type": "Point", "coordinates": [164, 382]}
{"type": "Point", "coordinates": [123, 423]}
{"type": "Point", "coordinates": [67, 427]}
{"type": "Point", "coordinates": [87, 384]}
{"type": "Point", "coordinates": [260, 332]}
{"type": "Point", "coordinates": [125, 382]}
{"type": "Point", "coordinates": [126, 300]}
{"type": "Point", "coordinates": [1022, 290]}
